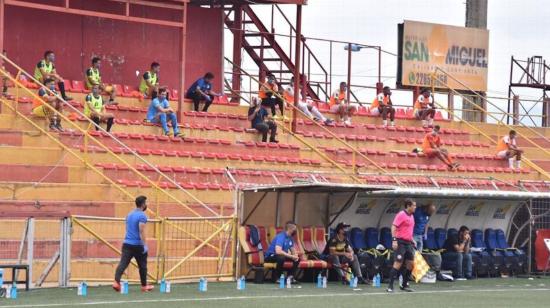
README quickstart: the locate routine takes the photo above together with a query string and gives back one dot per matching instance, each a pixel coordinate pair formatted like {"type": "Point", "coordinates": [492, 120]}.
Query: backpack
{"type": "Point", "coordinates": [255, 237]}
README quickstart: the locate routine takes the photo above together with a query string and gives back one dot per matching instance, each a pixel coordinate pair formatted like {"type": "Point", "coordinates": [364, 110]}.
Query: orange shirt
{"type": "Point", "coordinates": [380, 97]}
{"type": "Point", "coordinates": [341, 96]}
{"type": "Point", "coordinates": [429, 139]}
{"type": "Point", "coordinates": [39, 102]}
{"type": "Point", "coordinates": [504, 143]}
{"type": "Point", "coordinates": [422, 102]}
{"type": "Point", "coordinates": [267, 87]}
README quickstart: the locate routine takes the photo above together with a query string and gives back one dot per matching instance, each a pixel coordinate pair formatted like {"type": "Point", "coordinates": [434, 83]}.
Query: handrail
{"type": "Point", "coordinates": [524, 158]}
{"type": "Point", "coordinates": [85, 132]}
{"type": "Point", "coordinates": [82, 159]}
{"type": "Point", "coordinates": [349, 146]}
{"type": "Point", "coordinates": [498, 108]}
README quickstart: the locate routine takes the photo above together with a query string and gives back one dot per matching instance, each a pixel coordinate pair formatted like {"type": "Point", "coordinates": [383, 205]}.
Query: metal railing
{"type": "Point", "coordinates": [499, 121]}
{"type": "Point", "coordinates": [87, 138]}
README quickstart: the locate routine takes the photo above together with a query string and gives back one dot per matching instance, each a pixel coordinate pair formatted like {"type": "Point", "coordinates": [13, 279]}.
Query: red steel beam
{"type": "Point", "coordinates": [297, 65]}
{"type": "Point", "coordinates": [2, 25]}
{"type": "Point", "coordinates": [154, 4]}
{"type": "Point", "coordinates": [59, 9]}
{"type": "Point", "coordinates": [237, 50]}
{"type": "Point", "coordinates": [182, 62]}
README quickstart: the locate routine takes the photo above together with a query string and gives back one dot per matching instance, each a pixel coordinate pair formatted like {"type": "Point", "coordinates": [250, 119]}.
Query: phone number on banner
{"type": "Point", "coordinates": [425, 79]}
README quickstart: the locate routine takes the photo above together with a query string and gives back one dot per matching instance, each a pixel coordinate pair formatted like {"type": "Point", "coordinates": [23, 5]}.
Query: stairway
{"type": "Point", "coordinates": [281, 64]}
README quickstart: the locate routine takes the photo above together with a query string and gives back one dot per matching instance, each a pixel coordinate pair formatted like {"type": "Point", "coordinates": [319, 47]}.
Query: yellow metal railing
{"type": "Point", "coordinates": [175, 255]}
{"type": "Point", "coordinates": [504, 113]}
{"type": "Point", "coordinates": [478, 130]}
{"type": "Point", "coordinates": [20, 87]}
{"type": "Point", "coordinates": [355, 152]}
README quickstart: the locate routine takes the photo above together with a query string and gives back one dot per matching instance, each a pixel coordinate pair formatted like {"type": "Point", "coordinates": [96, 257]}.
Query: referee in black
{"type": "Point", "coordinates": [403, 245]}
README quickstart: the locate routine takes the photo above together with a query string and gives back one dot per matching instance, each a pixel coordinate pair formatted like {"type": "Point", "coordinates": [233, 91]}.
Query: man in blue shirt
{"type": "Point", "coordinates": [201, 91]}
{"type": "Point", "coordinates": [160, 111]}
{"type": "Point", "coordinates": [282, 250]}
{"type": "Point", "coordinates": [421, 219]}
{"type": "Point", "coordinates": [134, 245]}
{"type": "Point", "coordinates": [257, 115]}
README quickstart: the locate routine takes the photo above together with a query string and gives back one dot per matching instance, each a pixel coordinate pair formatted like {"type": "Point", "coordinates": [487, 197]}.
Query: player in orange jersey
{"type": "Point", "coordinates": [339, 104]}
{"type": "Point", "coordinates": [507, 148]}
{"type": "Point", "coordinates": [382, 105]}
{"type": "Point", "coordinates": [432, 148]}
{"type": "Point", "coordinates": [424, 108]}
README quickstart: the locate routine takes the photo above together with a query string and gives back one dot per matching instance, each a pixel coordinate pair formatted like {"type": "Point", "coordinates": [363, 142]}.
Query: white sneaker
{"type": "Point", "coordinates": [347, 122]}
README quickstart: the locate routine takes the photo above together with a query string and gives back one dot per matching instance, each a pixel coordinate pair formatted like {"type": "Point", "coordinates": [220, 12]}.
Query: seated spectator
{"type": "Point", "coordinates": [268, 93]}
{"type": "Point", "coordinates": [93, 77]}
{"type": "Point", "coordinates": [340, 253]}
{"type": "Point", "coordinates": [201, 92]}
{"type": "Point", "coordinates": [309, 110]}
{"type": "Point", "coordinates": [258, 116]}
{"type": "Point", "coordinates": [382, 105]}
{"type": "Point", "coordinates": [424, 108]}
{"type": "Point", "coordinates": [282, 250]}
{"type": "Point", "coordinates": [431, 146]}
{"type": "Point", "coordinates": [45, 69]}
{"type": "Point", "coordinates": [149, 85]}
{"type": "Point", "coordinates": [4, 79]}
{"type": "Point", "coordinates": [422, 216]}
{"type": "Point", "coordinates": [160, 112]}
{"type": "Point", "coordinates": [50, 97]}
{"type": "Point", "coordinates": [338, 104]}
{"type": "Point", "coordinates": [507, 148]}
{"type": "Point", "coordinates": [457, 248]}
{"type": "Point", "coordinates": [94, 109]}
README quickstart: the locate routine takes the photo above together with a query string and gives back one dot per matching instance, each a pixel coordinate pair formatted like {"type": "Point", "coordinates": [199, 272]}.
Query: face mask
{"type": "Point", "coordinates": [52, 87]}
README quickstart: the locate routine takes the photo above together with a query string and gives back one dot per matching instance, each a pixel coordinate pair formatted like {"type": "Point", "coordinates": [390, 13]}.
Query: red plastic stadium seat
{"type": "Point", "coordinates": [78, 86]}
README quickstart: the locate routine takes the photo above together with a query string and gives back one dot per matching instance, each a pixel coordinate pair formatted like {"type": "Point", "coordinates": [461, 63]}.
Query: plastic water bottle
{"type": "Point", "coordinates": [162, 286]}
{"type": "Point", "coordinates": [1, 276]}
{"type": "Point", "coordinates": [82, 289]}
{"type": "Point", "coordinates": [319, 281]}
{"type": "Point", "coordinates": [355, 281]}
{"type": "Point", "coordinates": [400, 280]}
{"type": "Point", "coordinates": [350, 280]}
{"type": "Point", "coordinates": [282, 281]}
{"type": "Point", "coordinates": [378, 280]}
{"type": "Point", "coordinates": [203, 285]}
{"type": "Point", "coordinates": [13, 291]}
{"type": "Point", "coordinates": [124, 287]}
{"type": "Point", "coordinates": [8, 291]}
{"type": "Point", "coordinates": [324, 282]}
{"type": "Point", "coordinates": [243, 282]}
{"type": "Point", "coordinates": [288, 282]}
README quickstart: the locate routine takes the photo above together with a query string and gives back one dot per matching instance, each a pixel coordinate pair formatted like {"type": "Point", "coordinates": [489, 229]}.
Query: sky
{"type": "Point", "coordinates": [516, 27]}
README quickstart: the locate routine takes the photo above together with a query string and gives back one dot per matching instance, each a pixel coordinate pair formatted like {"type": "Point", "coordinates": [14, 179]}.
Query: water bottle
{"type": "Point", "coordinates": [8, 291]}
{"type": "Point", "coordinates": [243, 282]}
{"type": "Point", "coordinates": [162, 286]}
{"type": "Point", "coordinates": [124, 287]}
{"type": "Point", "coordinates": [401, 280]}
{"type": "Point", "coordinates": [205, 286]}
{"type": "Point", "coordinates": [355, 281]}
{"type": "Point", "coordinates": [288, 282]}
{"type": "Point", "coordinates": [168, 287]}
{"type": "Point", "coordinates": [324, 282]}
{"type": "Point", "coordinates": [1, 276]}
{"type": "Point", "coordinates": [319, 281]}
{"type": "Point", "coordinates": [282, 281]}
{"type": "Point", "coordinates": [82, 289]}
{"type": "Point", "coordinates": [378, 280]}
{"type": "Point", "coordinates": [13, 291]}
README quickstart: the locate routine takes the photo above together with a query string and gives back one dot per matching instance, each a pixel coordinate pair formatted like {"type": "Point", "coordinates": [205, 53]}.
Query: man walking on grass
{"type": "Point", "coordinates": [134, 245]}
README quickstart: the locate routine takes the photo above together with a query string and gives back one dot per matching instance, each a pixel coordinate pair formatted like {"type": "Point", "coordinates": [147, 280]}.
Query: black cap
{"type": "Point", "coordinates": [342, 225]}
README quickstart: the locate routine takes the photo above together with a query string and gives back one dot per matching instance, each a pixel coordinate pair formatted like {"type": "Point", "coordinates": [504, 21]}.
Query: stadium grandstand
{"type": "Point", "coordinates": [106, 100]}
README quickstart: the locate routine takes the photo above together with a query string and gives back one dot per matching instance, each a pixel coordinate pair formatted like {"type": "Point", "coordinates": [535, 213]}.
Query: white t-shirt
{"type": "Point", "coordinates": [506, 139]}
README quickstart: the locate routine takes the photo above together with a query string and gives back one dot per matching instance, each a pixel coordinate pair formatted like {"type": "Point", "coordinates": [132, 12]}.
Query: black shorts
{"type": "Point", "coordinates": [404, 252]}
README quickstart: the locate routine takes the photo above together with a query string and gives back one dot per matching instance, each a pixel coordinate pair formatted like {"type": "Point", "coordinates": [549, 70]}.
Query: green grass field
{"type": "Point", "coordinates": [512, 292]}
